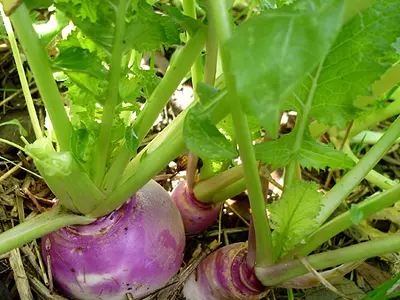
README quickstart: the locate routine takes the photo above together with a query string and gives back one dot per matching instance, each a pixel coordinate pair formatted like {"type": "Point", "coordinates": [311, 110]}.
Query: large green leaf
{"type": "Point", "coordinates": [271, 53]}
{"type": "Point", "coordinates": [293, 215]}
{"type": "Point", "coordinates": [363, 51]}
{"type": "Point", "coordinates": [312, 154]}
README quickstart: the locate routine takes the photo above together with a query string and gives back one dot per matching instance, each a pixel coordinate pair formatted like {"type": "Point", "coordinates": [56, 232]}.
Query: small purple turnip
{"type": "Point", "coordinates": [134, 249]}
{"type": "Point", "coordinates": [196, 216]}
{"type": "Point", "coordinates": [224, 275]}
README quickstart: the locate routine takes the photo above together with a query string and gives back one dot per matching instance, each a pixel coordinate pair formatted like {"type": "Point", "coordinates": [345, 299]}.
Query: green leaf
{"type": "Point", "coordinates": [131, 139]}
{"type": "Point", "coordinates": [226, 126]}
{"type": "Point", "coordinates": [362, 53]}
{"type": "Point", "coordinates": [149, 31]}
{"type": "Point", "coordinates": [188, 23]}
{"type": "Point", "coordinates": [280, 47]}
{"type": "Point", "coordinates": [204, 139]}
{"type": "Point", "coordinates": [312, 154]}
{"type": "Point", "coordinates": [74, 59]}
{"type": "Point", "coordinates": [293, 215]}
{"type": "Point", "coordinates": [206, 93]}
{"type": "Point", "coordinates": [22, 130]}
{"type": "Point", "coordinates": [90, 10]}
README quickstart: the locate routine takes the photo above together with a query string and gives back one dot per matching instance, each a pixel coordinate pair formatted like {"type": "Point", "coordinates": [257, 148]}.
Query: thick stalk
{"type": "Point", "coordinates": [100, 155]}
{"type": "Point", "coordinates": [189, 9]}
{"type": "Point", "coordinates": [264, 250]}
{"type": "Point", "coordinates": [156, 103]}
{"type": "Point", "coordinates": [209, 78]}
{"type": "Point", "coordinates": [373, 176]}
{"type": "Point", "coordinates": [230, 191]}
{"type": "Point", "coordinates": [349, 182]}
{"type": "Point", "coordinates": [370, 120]}
{"type": "Point", "coordinates": [22, 78]}
{"type": "Point", "coordinates": [37, 227]}
{"type": "Point", "coordinates": [39, 64]}
{"type": "Point", "coordinates": [279, 273]}
{"type": "Point", "coordinates": [166, 87]}
{"type": "Point", "coordinates": [366, 209]}
{"type": "Point", "coordinates": [206, 189]}
{"type": "Point", "coordinates": [368, 137]}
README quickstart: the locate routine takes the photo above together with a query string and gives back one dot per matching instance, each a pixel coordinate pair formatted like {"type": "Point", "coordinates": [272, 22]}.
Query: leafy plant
{"type": "Point", "coordinates": [318, 58]}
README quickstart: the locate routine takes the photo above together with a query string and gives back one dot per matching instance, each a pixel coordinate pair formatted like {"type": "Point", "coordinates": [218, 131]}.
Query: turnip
{"type": "Point", "coordinates": [224, 275]}
{"type": "Point", "coordinates": [196, 216]}
{"type": "Point", "coordinates": [135, 249]}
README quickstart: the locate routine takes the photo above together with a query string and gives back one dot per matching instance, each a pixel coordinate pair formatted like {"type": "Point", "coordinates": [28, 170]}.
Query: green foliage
{"type": "Point", "coordinates": [269, 54]}
{"type": "Point", "coordinates": [293, 216]}
{"type": "Point", "coordinates": [74, 59]}
{"type": "Point", "coordinates": [145, 31]}
{"type": "Point", "coordinates": [204, 139]}
{"type": "Point", "coordinates": [363, 51]}
{"type": "Point", "coordinates": [35, 4]}
{"type": "Point", "coordinates": [312, 154]}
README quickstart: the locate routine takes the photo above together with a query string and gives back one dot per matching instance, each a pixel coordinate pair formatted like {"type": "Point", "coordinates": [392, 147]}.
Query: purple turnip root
{"type": "Point", "coordinates": [135, 249]}
{"type": "Point", "coordinates": [196, 216]}
{"type": "Point", "coordinates": [224, 275]}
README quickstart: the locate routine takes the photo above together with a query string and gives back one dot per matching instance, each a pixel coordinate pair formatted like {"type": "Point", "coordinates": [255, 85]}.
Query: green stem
{"type": "Point", "coordinates": [156, 103]}
{"type": "Point", "coordinates": [374, 177]}
{"type": "Point", "coordinates": [366, 209]}
{"type": "Point", "coordinates": [264, 250]}
{"type": "Point", "coordinates": [189, 9]}
{"type": "Point", "coordinates": [100, 156]}
{"type": "Point", "coordinates": [39, 64]}
{"type": "Point", "coordinates": [230, 191]}
{"type": "Point", "coordinates": [347, 184]}
{"type": "Point", "coordinates": [368, 137]}
{"type": "Point", "coordinates": [292, 174]}
{"type": "Point", "coordinates": [210, 67]}
{"type": "Point", "coordinates": [279, 273]}
{"type": "Point", "coordinates": [209, 78]}
{"type": "Point", "coordinates": [22, 77]}
{"type": "Point", "coordinates": [168, 85]}
{"type": "Point", "coordinates": [205, 189]}
{"type": "Point", "coordinates": [37, 227]}
{"type": "Point", "coordinates": [370, 120]}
